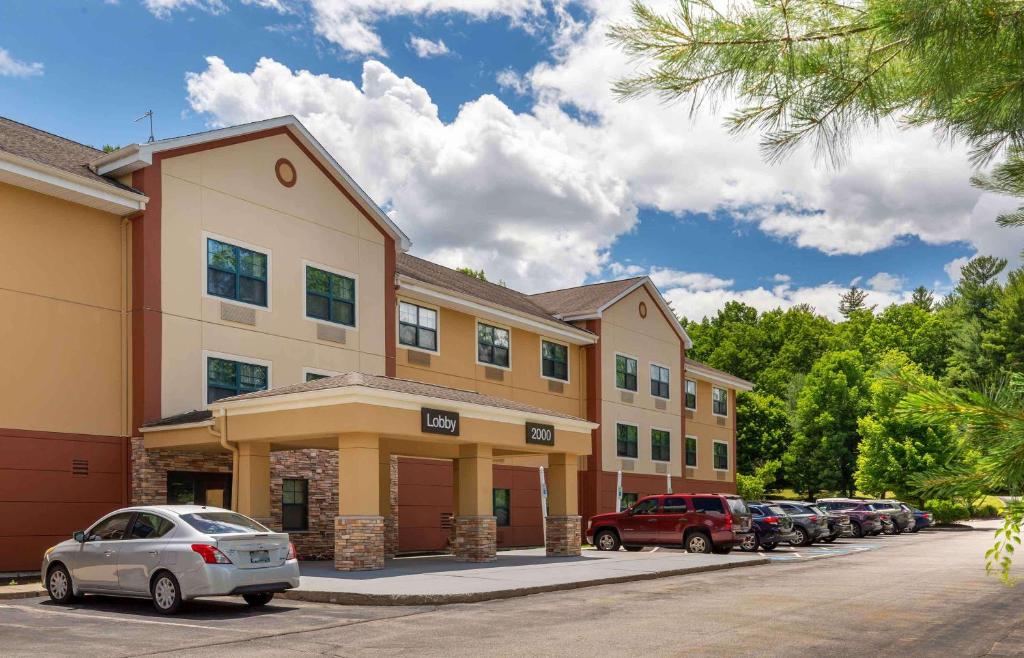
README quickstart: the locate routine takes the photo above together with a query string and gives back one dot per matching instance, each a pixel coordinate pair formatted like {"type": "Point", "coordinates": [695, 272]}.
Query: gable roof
{"type": "Point", "coordinates": [490, 294]}
{"type": "Point", "coordinates": [719, 376]}
{"type": "Point", "coordinates": [136, 156]}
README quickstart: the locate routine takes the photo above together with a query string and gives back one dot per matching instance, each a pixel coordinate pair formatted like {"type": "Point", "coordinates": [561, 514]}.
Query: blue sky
{"type": "Point", "coordinates": [529, 168]}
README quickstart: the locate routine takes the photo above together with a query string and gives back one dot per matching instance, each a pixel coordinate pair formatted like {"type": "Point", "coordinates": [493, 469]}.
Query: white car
{"type": "Point", "coordinates": [171, 554]}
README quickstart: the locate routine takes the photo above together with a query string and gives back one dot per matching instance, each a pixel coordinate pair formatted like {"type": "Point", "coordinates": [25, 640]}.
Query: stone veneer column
{"type": "Point", "coordinates": [563, 536]}
{"type": "Point", "coordinates": [476, 539]}
{"type": "Point", "coordinates": [358, 543]}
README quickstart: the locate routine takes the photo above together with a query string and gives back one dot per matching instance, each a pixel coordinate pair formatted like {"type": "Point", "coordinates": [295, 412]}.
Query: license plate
{"type": "Point", "coordinates": [258, 557]}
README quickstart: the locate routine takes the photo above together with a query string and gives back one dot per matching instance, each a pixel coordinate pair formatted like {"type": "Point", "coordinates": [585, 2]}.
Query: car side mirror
{"type": "Point", "coordinates": [79, 536]}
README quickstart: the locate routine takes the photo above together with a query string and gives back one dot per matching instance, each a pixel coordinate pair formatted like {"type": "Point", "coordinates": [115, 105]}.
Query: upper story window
{"type": "Point", "coordinates": [554, 359]}
{"type": "Point", "coordinates": [719, 401]}
{"type": "Point", "coordinates": [659, 381]}
{"type": "Point", "coordinates": [417, 326]}
{"type": "Point", "coordinates": [492, 345]}
{"type": "Point", "coordinates": [294, 504]}
{"type": "Point", "coordinates": [721, 456]}
{"type": "Point", "coordinates": [625, 372]}
{"type": "Point", "coordinates": [330, 296]}
{"type": "Point", "coordinates": [661, 446]}
{"type": "Point", "coordinates": [625, 440]}
{"type": "Point", "coordinates": [691, 395]}
{"type": "Point", "coordinates": [236, 273]}
{"type": "Point", "coordinates": [225, 378]}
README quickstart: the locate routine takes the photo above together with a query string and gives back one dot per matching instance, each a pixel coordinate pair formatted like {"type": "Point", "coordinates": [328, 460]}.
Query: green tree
{"type": "Point", "coordinates": [852, 301]}
{"type": "Point", "coordinates": [469, 271]}
{"type": "Point", "coordinates": [972, 361]}
{"type": "Point", "coordinates": [1005, 337]}
{"type": "Point", "coordinates": [834, 396]}
{"type": "Point", "coordinates": [763, 431]}
{"type": "Point", "coordinates": [923, 298]}
{"type": "Point", "coordinates": [895, 328]}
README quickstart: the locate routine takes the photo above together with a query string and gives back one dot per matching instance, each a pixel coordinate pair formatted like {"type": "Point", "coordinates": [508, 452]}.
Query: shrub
{"type": "Point", "coordinates": [946, 511]}
{"type": "Point", "coordinates": [988, 510]}
{"type": "Point", "coordinates": [749, 487]}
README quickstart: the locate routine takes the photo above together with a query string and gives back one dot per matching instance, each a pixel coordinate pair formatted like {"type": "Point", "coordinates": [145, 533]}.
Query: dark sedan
{"type": "Point", "coordinates": [810, 524]}
{"type": "Point", "coordinates": [922, 519]}
{"type": "Point", "coordinates": [771, 527]}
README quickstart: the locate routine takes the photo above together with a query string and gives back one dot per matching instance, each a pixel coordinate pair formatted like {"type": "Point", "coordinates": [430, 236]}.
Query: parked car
{"type": "Point", "coordinates": [810, 524]}
{"type": "Point", "coordinates": [902, 519]}
{"type": "Point", "coordinates": [922, 519]}
{"type": "Point", "coordinates": [864, 521]}
{"type": "Point", "coordinates": [172, 554]}
{"type": "Point", "coordinates": [702, 523]}
{"type": "Point", "coordinates": [839, 525]}
{"type": "Point", "coordinates": [771, 526]}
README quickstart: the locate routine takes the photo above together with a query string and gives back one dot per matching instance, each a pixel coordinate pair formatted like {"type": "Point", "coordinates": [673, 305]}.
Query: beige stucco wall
{"type": "Point", "coordinates": [455, 364]}
{"type": "Point", "coordinates": [232, 193]}
{"type": "Point", "coordinates": [648, 340]}
{"type": "Point", "coordinates": [62, 330]}
{"type": "Point", "coordinates": [708, 428]}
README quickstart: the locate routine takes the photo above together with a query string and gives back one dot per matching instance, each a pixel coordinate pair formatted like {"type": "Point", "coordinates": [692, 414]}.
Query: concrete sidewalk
{"type": "Point", "coordinates": [434, 580]}
{"type": "Point", "coordinates": [23, 591]}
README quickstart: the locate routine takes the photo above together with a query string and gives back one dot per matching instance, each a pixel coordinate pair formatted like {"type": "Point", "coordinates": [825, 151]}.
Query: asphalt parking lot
{"type": "Point", "coordinates": [923, 594]}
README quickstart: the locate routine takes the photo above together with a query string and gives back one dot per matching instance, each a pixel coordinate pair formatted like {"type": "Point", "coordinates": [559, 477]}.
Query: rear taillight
{"type": "Point", "coordinates": [814, 518]}
{"type": "Point", "coordinates": [773, 520]}
{"type": "Point", "coordinates": [728, 521]}
{"type": "Point", "coordinates": [210, 554]}
{"type": "Point", "coordinates": [291, 551]}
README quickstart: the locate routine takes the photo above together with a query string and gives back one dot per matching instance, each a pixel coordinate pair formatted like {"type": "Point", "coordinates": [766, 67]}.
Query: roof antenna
{"type": "Point", "coordinates": [149, 113]}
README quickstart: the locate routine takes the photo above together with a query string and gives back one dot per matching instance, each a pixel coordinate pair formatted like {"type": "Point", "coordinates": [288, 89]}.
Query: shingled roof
{"type": "Point", "coordinates": [49, 149]}
{"type": "Point", "coordinates": [394, 384]}
{"type": "Point", "coordinates": [582, 300]}
{"type": "Point", "coordinates": [485, 291]}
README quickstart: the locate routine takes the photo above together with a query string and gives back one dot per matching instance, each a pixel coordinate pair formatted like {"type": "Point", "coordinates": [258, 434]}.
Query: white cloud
{"type": "Point", "coordinates": [509, 79]}
{"type": "Point", "coordinates": [885, 282]}
{"type": "Point", "coordinates": [164, 8]}
{"type": "Point", "coordinates": [13, 68]}
{"type": "Point", "coordinates": [426, 48]}
{"type": "Point", "coordinates": [666, 278]}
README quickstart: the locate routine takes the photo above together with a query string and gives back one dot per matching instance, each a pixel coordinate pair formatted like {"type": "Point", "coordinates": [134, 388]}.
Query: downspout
{"type": "Point", "coordinates": [222, 435]}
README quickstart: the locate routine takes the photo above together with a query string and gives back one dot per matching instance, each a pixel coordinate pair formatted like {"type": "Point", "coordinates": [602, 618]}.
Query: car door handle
{"type": "Point", "coordinates": [108, 553]}
{"type": "Point", "coordinates": [154, 552]}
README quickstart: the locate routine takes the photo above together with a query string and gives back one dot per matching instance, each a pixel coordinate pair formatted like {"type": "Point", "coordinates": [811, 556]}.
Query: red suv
{"type": "Point", "coordinates": [702, 523]}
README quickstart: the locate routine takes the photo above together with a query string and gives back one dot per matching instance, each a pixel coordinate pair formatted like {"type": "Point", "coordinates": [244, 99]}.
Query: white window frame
{"type": "Point", "coordinates": [615, 372]}
{"type": "Point", "coordinates": [476, 344]}
{"type": "Point", "coordinates": [669, 370]}
{"type": "Point", "coordinates": [696, 453]}
{"type": "Point", "coordinates": [204, 372]}
{"type": "Point", "coordinates": [616, 438]}
{"type": "Point", "coordinates": [540, 352]}
{"type": "Point", "coordinates": [651, 444]}
{"type": "Point", "coordinates": [207, 235]}
{"type": "Point", "coordinates": [437, 330]}
{"type": "Point", "coordinates": [728, 456]}
{"type": "Point", "coordinates": [339, 272]}
{"type": "Point", "coordinates": [694, 381]}
{"type": "Point", "coordinates": [317, 371]}
{"type": "Point", "coordinates": [727, 405]}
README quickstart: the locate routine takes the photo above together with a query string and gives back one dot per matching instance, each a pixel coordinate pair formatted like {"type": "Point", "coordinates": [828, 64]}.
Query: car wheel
{"type": "Point", "coordinates": [750, 542]}
{"type": "Point", "coordinates": [634, 549]}
{"type": "Point", "coordinates": [607, 540]}
{"type": "Point", "coordinates": [829, 539]}
{"type": "Point", "coordinates": [802, 538]}
{"type": "Point", "coordinates": [58, 585]}
{"type": "Point", "coordinates": [697, 542]}
{"type": "Point", "coordinates": [721, 550]}
{"type": "Point", "coordinates": [857, 531]}
{"type": "Point", "coordinates": [768, 547]}
{"type": "Point", "coordinates": [257, 600]}
{"type": "Point", "coordinates": [166, 593]}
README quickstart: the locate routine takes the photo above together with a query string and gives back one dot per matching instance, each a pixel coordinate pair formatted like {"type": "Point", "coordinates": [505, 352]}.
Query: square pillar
{"type": "Point", "coordinates": [388, 476]}
{"type": "Point", "coordinates": [562, 528]}
{"type": "Point", "coordinates": [254, 481]}
{"type": "Point", "coordinates": [476, 529]}
{"type": "Point", "coordinates": [359, 526]}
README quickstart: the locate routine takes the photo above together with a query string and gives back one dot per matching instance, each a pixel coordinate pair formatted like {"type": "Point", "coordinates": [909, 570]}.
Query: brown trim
{"type": "Point", "coordinates": [281, 164]}
{"type": "Point", "coordinates": [390, 308]}
{"type": "Point", "coordinates": [66, 436]}
{"type": "Point", "coordinates": [682, 414]}
{"type": "Point", "coordinates": [146, 318]}
{"type": "Point", "coordinates": [589, 481]}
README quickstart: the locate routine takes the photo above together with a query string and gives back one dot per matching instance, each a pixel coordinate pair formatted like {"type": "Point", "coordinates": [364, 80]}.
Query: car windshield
{"type": "Point", "coordinates": [817, 510]}
{"type": "Point", "coordinates": [777, 510]}
{"type": "Point", "coordinates": [222, 523]}
{"type": "Point", "coordinates": [737, 506]}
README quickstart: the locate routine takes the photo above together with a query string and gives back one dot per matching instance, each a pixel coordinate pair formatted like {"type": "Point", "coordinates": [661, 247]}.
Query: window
{"type": "Point", "coordinates": [719, 401]}
{"type": "Point", "coordinates": [721, 456]}
{"type": "Point", "coordinates": [226, 378]}
{"type": "Point", "coordinates": [236, 273]}
{"type": "Point", "coordinates": [674, 506]}
{"type": "Point", "coordinates": [149, 526]}
{"type": "Point", "coordinates": [554, 360]}
{"type": "Point", "coordinates": [417, 326]}
{"type": "Point", "coordinates": [625, 440]}
{"type": "Point", "coordinates": [294, 504]}
{"type": "Point", "coordinates": [691, 452]}
{"type": "Point", "coordinates": [625, 372]}
{"type": "Point", "coordinates": [222, 523]}
{"type": "Point", "coordinates": [647, 506]}
{"type": "Point", "coordinates": [502, 498]}
{"type": "Point", "coordinates": [190, 488]}
{"type": "Point", "coordinates": [659, 381]}
{"type": "Point", "coordinates": [313, 376]}
{"type": "Point", "coordinates": [707, 504]}
{"type": "Point", "coordinates": [660, 446]}
{"type": "Point", "coordinates": [112, 528]}
{"type": "Point", "coordinates": [629, 499]}
{"type": "Point", "coordinates": [330, 297]}
{"type": "Point", "coordinates": [492, 345]}
{"type": "Point", "coordinates": [691, 395]}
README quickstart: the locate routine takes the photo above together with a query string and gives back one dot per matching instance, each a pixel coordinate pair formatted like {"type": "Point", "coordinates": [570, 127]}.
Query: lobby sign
{"type": "Point", "coordinates": [539, 434]}
{"type": "Point", "coordinates": [439, 421]}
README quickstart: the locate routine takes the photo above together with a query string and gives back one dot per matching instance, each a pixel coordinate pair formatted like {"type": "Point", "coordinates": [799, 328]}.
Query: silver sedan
{"type": "Point", "coordinates": [171, 554]}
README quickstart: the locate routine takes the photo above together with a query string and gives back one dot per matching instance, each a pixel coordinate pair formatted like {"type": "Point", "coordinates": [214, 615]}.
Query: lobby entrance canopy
{"type": "Point", "coordinates": [369, 418]}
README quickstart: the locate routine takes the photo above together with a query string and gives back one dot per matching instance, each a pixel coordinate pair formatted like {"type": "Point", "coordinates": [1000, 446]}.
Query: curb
{"type": "Point", "coordinates": [21, 593]}
{"type": "Point", "coordinates": [354, 598]}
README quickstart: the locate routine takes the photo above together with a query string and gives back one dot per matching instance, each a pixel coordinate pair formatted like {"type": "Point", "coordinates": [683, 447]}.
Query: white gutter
{"type": "Point", "coordinates": [725, 380]}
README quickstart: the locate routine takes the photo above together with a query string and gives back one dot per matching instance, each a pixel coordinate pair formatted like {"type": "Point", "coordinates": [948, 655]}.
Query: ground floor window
{"type": "Point", "coordinates": [502, 506]}
{"type": "Point", "coordinates": [625, 440]}
{"type": "Point", "coordinates": [294, 504]}
{"type": "Point", "coordinates": [691, 452]}
{"type": "Point", "coordinates": [192, 488]}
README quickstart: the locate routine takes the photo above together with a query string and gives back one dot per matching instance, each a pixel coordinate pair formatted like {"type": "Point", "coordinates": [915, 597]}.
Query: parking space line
{"type": "Point", "coordinates": [86, 615]}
